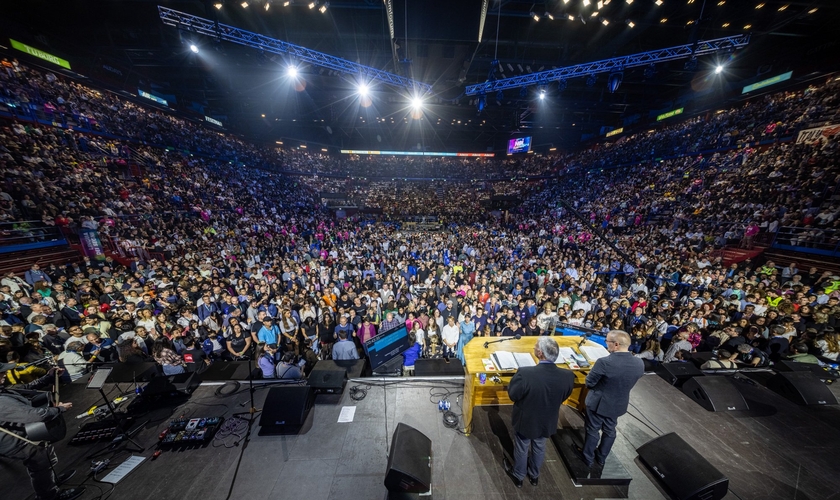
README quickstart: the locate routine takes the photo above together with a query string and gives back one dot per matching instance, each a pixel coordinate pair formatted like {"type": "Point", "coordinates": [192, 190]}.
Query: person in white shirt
{"type": "Point", "coordinates": [449, 335]}
{"type": "Point", "coordinates": [583, 304]}
{"type": "Point", "coordinates": [72, 361]}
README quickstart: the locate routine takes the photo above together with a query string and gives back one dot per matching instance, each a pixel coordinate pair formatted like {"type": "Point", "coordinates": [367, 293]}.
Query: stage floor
{"type": "Point", "coordinates": [777, 450]}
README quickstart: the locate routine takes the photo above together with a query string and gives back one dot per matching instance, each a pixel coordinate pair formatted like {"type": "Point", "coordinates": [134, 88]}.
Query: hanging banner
{"type": "Point", "coordinates": [40, 54]}
{"type": "Point", "coordinates": [91, 244]}
{"type": "Point", "coordinates": [819, 134]}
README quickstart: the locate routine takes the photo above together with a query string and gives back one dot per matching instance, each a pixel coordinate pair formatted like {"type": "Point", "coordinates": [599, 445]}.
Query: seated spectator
{"type": "Point", "coordinates": [799, 353]}
{"type": "Point", "coordinates": [724, 360]}
{"type": "Point", "coordinates": [164, 354]}
{"type": "Point", "coordinates": [287, 369]}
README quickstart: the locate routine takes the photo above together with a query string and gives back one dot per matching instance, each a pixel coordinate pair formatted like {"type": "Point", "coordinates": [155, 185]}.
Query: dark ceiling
{"type": "Point", "coordinates": [124, 44]}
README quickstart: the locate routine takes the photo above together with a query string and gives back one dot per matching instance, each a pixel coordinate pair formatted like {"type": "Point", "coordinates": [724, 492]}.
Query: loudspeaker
{"type": "Point", "coordinates": [683, 472]}
{"type": "Point", "coordinates": [409, 461]}
{"type": "Point", "coordinates": [715, 393]}
{"type": "Point", "coordinates": [327, 378]}
{"type": "Point", "coordinates": [803, 388]}
{"type": "Point", "coordinates": [286, 407]}
{"type": "Point", "coordinates": [677, 373]}
{"type": "Point", "coordinates": [438, 367]}
{"type": "Point", "coordinates": [183, 383]}
{"type": "Point", "coordinates": [698, 358]}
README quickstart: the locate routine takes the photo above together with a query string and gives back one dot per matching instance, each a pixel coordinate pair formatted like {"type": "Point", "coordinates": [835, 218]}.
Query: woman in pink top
{"type": "Point", "coordinates": [367, 330]}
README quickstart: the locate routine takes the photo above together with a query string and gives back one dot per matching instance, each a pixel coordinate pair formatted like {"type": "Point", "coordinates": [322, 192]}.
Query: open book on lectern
{"type": "Point", "coordinates": [505, 360]}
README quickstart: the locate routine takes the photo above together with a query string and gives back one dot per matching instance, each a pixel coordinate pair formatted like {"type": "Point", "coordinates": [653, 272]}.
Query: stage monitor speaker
{"type": "Point", "coordinates": [683, 472]}
{"type": "Point", "coordinates": [677, 373]}
{"type": "Point", "coordinates": [803, 388]}
{"type": "Point", "coordinates": [286, 406]}
{"type": "Point", "coordinates": [699, 358]}
{"type": "Point", "coordinates": [438, 368]}
{"type": "Point", "coordinates": [715, 393]}
{"type": "Point", "coordinates": [409, 461]}
{"type": "Point", "coordinates": [327, 378]}
{"type": "Point", "coordinates": [182, 383]}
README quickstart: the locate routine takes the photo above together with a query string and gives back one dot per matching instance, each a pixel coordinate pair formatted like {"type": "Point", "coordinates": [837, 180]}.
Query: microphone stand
{"type": "Point", "coordinates": [253, 410]}
{"type": "Point", "coordinates": [515, 337]}
{"type": "Point", "coordinates": [583, 340]}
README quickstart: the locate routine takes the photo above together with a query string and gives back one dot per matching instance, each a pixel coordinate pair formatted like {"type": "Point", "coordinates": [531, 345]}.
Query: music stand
{"type": "Point", "coordinates": [97, 381]}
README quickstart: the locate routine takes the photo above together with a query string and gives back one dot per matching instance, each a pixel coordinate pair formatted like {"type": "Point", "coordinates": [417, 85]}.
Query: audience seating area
{"type": "Point", "coordinates": [217, 250]}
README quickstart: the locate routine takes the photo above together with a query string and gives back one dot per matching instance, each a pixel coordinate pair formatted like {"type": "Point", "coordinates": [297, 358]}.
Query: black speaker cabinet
{"type": "Point", "coordinates": [683, 472]}
{"type": "Point", "coordinates": [409, 461]}
{"type": "Point", "coordinates": [286, 407]}
{"type": "Point", "coordinates": [183, 383]}
{"type": "Point", "coordinates": [677, 373]}
{"type": "Point", "coordinates": [803, 388]}
{"type": "Point", "coordinates": [327, 378]}
{"type": "Point", "coordinates": [715, 393]}
{"type": "Point", "coordinates": [699, 358]}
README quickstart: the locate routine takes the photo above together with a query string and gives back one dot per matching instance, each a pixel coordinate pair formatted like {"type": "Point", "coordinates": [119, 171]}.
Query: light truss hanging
{"type": "Point", "coordinates": [615, 64]}
{"type": "Point", "coordinates": [227, 33]}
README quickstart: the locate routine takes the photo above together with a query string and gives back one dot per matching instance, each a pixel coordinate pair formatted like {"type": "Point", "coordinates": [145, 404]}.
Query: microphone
{"type": "Point", "coordinates": [584, 339]}
{"type": "Point", "coordinates": [515, 337]}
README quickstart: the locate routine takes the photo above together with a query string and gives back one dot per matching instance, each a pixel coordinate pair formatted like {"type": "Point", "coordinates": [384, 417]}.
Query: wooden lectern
{"type": "Point", "coordinates": [495, 393]}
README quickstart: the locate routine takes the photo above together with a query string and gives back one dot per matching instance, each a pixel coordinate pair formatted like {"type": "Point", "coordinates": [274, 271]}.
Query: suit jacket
{"type": "Point", "coordinates": [537, 393]}
{"type": "Point", "coordinates": [610, 381]}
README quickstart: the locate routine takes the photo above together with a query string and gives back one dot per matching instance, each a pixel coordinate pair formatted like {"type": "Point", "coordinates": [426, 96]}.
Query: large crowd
{"type": "Point", "coordinates": [224, 258]}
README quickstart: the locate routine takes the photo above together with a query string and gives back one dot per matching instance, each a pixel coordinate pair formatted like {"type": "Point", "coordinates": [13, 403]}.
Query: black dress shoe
{"type": "Point", "coordinates": [509, 471]}
{"type": "Point", "coordinates": [64, 477]}
{"type": "Point", "coordinates": [534, 480]}
{"type": "Point", "coordinates": [70, 493]}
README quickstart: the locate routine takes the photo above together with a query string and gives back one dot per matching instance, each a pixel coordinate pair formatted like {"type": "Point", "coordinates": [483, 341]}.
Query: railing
{"type": "Point", "coordinates": [24, 235]}
{"type": "Point", "coordinates": [808, 240]}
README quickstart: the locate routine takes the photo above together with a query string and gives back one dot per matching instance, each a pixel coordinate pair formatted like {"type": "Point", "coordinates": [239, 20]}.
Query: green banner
{"type": "Point", "coordinates": [766, 83]}
{"type": "Point", "coordinates": [669, 114]}
{"type": "Point", "coordinates": [32, 51]}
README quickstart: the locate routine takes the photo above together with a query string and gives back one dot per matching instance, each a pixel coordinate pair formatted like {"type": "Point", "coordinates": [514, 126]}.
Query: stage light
{"type": "Point", "coordinates": [604, 22]}
{"type": "Point", "coordinates": [784, 7]}
{"type": "Point", "coordinates": [747, 26]}
{"type": "Point", "coordinates": [629, 2]}
{"type": "Point", "coordinates": [718, 69]}
{"type": "Point", "coordinates": [663, 20]}
{"type": "Point", "coordinates": [595, 14]}
{"type": "Point", "coordinates": [813, 10]}
{"type": "Point", "coordinates": [267, 6]}
{"type": "Point", "coordinates": [658, 2]}
{"type": "Point", "coordinates": [218, 5]}
{"type": "Point", "coordinates": [571, 17]}
{"type": "Point", "coordinates": [566, 1]}
{"type": "Point", "coordinates": [535, 16]}
{"type": "Point", "coordinates": [586, 3]}
{"type": "Point", "coordinates": [549, 16]}
{"type": "Point", "coordinates": [724, 25]}
{"type": "Point", "coordinates": [600, 4]}
{"type": "Point", "coordinates": [614, 81]}
{"type": "Point", "coordinates": [363, 90]}
{"type": "Point", "coordinates": [312, 5]}
{"type": "Point", "coordinates": [417, 103]}
{"type": "Point", "coordinates": [292, 71]}
{"type": "Point", "coordinates": [631, 23]}
{"type": "Point", "coordinates": [287, 3]}
{"type": "Point", "coordinates": [759, 6]}
{"type": "Point", "coordinates": [194, 48]}
{"type": "Point", "coordinates": [542, 94]}
{"type": "Point", "coordinates": [244, 5]}
{"type": "Point", "coordinates": [324, 7]}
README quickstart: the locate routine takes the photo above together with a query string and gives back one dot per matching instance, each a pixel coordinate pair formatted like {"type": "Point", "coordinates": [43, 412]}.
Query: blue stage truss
{"type": "Point", "coordinates": [610, 65]}
{"type": "Point", "coordinates": [195, 24]}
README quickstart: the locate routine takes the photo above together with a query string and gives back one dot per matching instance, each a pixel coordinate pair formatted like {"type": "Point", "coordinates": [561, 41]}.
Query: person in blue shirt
{"type": "Point", "coordinates": [269, 333]}
{"type": "Point", "coordinates": [467, 333]}
{"type": "Point", "coordinates": [344, 348]}
{"type": "Point", "coordinates": [411, 354]}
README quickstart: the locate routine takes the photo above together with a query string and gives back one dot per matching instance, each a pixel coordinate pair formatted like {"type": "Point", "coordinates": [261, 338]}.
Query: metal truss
{"type": "Point", "coordinates": [615, 64]}
{"type": "Point", "coordinates": [264, 43]}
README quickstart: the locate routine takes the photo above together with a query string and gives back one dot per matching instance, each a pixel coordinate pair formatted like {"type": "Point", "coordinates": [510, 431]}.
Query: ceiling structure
{"type": "Point", "coordinates": [125, 45]}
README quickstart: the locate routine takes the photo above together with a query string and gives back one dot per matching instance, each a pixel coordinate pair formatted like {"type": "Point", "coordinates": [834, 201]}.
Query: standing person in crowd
{"type": "Point", "coordinates": [344, 348]}
{"type": "Point", "coordinates": [609, 381]}
{"type": "Point", "coordinates": [537, 393]}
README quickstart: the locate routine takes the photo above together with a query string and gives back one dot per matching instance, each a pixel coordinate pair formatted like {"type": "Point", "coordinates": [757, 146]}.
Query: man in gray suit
{"type": "Point", "coordinates": [537, 393]}
{"type": "Point", "coordinates": [609, 383]}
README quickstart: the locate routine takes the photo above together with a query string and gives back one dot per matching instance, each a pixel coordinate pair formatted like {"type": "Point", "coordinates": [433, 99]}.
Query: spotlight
{"type": "Point", "coordinates": [535, 16]}
{"type": "Point", "coordinates": [586, 3]}
{"type": "Point", "coordinates": [363, 90]}
{"type": "Point", "coordinates": [312, 5]}
{"type": "Point", "coordinates": [287, 3]}
{"type": "Point", "coordinates": [218, 5]}
{"type": "Point", "coordinates": [323, 8]}
{"type": "Point", "coordinates": [267, 6]}
{"type": "Point", "coordinates": [659, 2]}
{"type": "Point", "coordinates": [604, 22]}
{"type": "Point", "coordinates": [718, 69]}
{"type": "Point", "coordinates": [549, 16]}
{"type": "Point", "coordinates": [614, 81]}
{"type": "Point", "coordinates": [571, 17]}
{"type": "Point", "coordinates": [542, 94]}
{"type": "Point", "coordinates": [244, 5]}
{"type": "Point", "coordinates": [417, 103]}
{"type": "Point", "coordinates": [631, 24]}
{"type": "Point", "coordinates": [292, 71]}
{"type": "Point", "coordinates": [629, 2]}
{"type": "Point", "coordinates": [566, 1]}
{"type": "Point", "coordinates": [194, 48]}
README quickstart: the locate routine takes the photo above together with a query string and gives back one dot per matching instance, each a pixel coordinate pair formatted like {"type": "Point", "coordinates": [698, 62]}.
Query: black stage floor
{"type": "Point", "coordinates": [777, 450]}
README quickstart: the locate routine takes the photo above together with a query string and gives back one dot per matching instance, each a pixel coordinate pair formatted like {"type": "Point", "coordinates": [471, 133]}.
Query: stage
{"type": "Point", "coordinates": [776, 450]}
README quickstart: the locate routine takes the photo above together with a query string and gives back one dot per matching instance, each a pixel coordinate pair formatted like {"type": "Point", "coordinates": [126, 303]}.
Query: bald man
{"type": "Point", "coordinates": [609, 382]}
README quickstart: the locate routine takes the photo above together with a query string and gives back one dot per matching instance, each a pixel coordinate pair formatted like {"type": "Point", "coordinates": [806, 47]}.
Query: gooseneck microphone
{"type": "Point", "coordinates": [515, 337]}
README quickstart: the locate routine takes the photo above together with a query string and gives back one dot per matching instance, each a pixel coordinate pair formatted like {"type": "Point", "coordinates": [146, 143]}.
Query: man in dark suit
{"type": "Point", "coordinates": [609, 383]}
{"type": "Point", "coordinates": [537, 393]}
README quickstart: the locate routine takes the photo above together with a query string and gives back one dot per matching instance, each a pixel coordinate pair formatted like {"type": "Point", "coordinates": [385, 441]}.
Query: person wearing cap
{"type": "Point", "coordinates": [16, 411]}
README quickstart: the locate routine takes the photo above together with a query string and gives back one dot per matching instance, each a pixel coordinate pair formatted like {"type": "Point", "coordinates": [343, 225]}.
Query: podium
{"type": "Point", "coordinates": [495, 393]}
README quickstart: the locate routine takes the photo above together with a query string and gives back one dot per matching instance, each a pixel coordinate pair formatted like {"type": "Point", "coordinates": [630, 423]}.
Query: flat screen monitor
{"type": "Point", "coordinates": [386, 346]}
{"type": "Point", "coordinates": [519, 145]}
